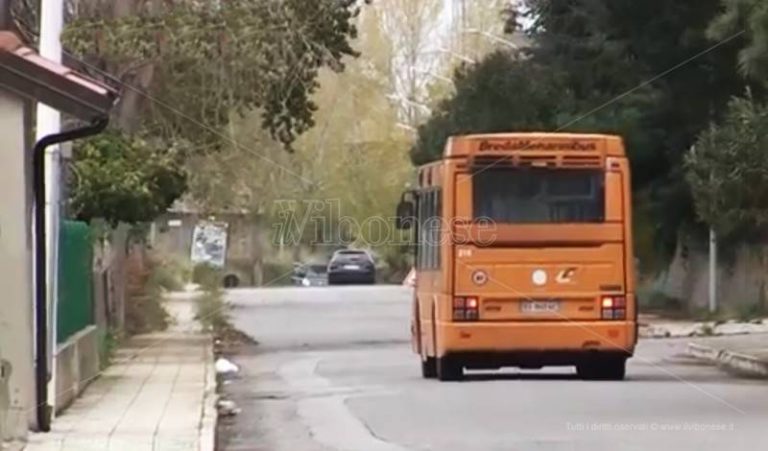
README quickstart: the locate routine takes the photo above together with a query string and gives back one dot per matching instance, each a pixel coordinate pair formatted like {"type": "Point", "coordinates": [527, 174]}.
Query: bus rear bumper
{"type": "Point", "coordinates": [534, 343]}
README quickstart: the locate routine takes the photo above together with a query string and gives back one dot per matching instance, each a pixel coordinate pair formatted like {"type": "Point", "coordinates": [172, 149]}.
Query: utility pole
{"type": "Point", "coordinates": [712, 270]}
{"type": "Point", "coordinates": [48, 123]}
{"type": "Point", "coordinates": [712, 289]}
{"type": "Point", "coordinates": [712, 233]}
{"type": "Point", "coordinates": [712, 249]}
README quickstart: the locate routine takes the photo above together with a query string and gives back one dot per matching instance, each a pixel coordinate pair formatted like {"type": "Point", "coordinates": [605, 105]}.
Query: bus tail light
{"type": "Point", "coordinates": [614, 307]}
{"type": "Point", "coordinates": [466, 309]}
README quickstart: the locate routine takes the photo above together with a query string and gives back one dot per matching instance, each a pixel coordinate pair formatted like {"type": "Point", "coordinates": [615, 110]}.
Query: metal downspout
{"type": "Point", "coordinates": [43, 409]}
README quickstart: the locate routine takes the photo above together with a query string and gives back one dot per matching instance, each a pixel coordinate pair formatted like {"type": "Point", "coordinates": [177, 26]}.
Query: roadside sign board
{"type": "Point", "coordinates": [209, 243]}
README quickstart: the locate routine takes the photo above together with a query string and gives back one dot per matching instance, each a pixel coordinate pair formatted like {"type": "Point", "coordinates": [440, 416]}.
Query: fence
{"type": "Point", "coordinates": [75, 308]}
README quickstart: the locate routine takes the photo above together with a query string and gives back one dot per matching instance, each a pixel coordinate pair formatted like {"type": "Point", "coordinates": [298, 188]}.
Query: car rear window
{"type": "Point", "coordinates": [351, 255]}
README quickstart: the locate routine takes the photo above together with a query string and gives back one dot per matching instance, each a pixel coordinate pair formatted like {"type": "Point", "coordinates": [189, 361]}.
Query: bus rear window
{"type": "Point", "coordinates": [532, 196]}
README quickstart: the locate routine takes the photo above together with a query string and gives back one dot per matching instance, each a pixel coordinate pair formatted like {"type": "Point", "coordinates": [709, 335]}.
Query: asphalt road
{"type": "Point", "coordinates": [333, 371]}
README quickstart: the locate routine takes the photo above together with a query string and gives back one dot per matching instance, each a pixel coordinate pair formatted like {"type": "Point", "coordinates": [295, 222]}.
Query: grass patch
{"type": "Point", "coordinates": [108, 343]}
{"type": "Point", "coordinates": [656, 301]}
{"type": "Point", "coordinates": [207, 276]}
{"type": "Point", "coordinates": [212, 311]}
{"type": "Point", "coordinates": [751, 312]}
{"type": "Point", "coordinates": [707, 330]}
{"type": "Point", "coordinates": [171, 274]}
{"type": "Point", "coordinates": [144, 311]}
{"type": "Point", "coordinates": [276, 274]}
{"type": "Point", "coordinates": [743, 313]}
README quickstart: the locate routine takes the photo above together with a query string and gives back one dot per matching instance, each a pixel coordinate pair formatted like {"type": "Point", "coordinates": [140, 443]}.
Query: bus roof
{"type": "Point", "coordinates": [468, 145]}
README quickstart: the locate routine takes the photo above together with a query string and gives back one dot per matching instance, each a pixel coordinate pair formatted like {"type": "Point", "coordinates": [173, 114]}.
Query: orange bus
{"type": "Point", "coordinates": [523, 255]}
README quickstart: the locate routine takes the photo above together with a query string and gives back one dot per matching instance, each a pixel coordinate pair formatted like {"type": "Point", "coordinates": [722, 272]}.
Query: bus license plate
{"type": "Point", "coordinates": [540, 306]}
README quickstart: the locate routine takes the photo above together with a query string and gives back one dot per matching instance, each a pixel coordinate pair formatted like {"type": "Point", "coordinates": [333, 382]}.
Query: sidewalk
{"type": "Point", "coordinates": [158, 394]}
{"type": "Point", "coordinates": [655, 327]}
{"type": "Point", "coordinates": [745, 355]}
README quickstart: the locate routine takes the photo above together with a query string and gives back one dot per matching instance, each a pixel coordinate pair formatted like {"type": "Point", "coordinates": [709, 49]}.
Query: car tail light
{"type": "Point", "coordinates": [614, 307]}
{"type": "Point", "coordinates": [466, 309]}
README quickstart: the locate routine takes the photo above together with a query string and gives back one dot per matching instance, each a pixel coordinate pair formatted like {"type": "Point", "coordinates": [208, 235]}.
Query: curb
{"type": "Point", "coordinates": [660, 333]}
{"type": "Point", "coordinates": [741, 364]}
{"type": "Point", "coordinates": [207, 432]}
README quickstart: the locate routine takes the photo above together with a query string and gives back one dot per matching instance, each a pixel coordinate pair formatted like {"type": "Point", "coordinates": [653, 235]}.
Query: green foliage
{"type": "Point", "coordinates": [276, 273]}
{"type": "Point", "coordinates": [397, 262]}
{"type": "Point", "coordinates": [144, 311]}
{"type": "Point", "coordinates": [208, 59]}
{"type": "Point", "coordinates": [108, 343]}
{"type": "Point", "coordinates": [749, 17]}
{"type": "Point", "coordinates": [645, 70]}
{"type": "Point", "coordinates": [354, 144]}
{"type": "Point", "coordinates": [170, 275]}
{"type": "Point", "coordinates": [728, 170]}
{"type": "Point", "coordinates": [655, 300]}
{"type": "Point", "coordinates": [123, 179]}
{"type": "Point", "coordinates": [212, 311]}
{"type": "Point", "coordinates": [207, 276]}
{"type": "Point", "coordinates": [707, 330]}
{"type": "Point", "coordinates": [610, 49]}
{"type": "Point", "coordinates": [751, 312]}
{"type": "Point", "coordinates": [498, 94]}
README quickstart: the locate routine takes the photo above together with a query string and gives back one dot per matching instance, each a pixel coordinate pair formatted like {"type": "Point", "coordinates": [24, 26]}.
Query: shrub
{"type": "Point", "coordinates": [657, 300]}
{"type": "Point", "coordinates": [212, 311]}
{"type": "Point", "coordinates": [750, 312]}
{"type": "Point", "coordinates": [123, 178]}
{"type": "Point", "coordinates": [144, 310]}
{"type": "Point", "coordinates": [206, 276]}
{"type": "Point", "coordinates": [728, 171]}
{"type": "Point", "coordinates": [170, 275]}
{"type": "Point", "coordinates": [276, 274]}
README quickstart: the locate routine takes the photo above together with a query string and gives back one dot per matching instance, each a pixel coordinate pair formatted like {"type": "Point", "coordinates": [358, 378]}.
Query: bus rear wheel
{"type": "Point", "coordinates": [609, 368]}
{"type": "Point", "coordinates": [429, 368]}
{"type": "Point", "coordinates": [448, 369]}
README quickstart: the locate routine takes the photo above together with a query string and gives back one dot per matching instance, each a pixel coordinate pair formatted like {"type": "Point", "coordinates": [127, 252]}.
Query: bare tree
{"type": "Point", "coordinates": [417, 33]}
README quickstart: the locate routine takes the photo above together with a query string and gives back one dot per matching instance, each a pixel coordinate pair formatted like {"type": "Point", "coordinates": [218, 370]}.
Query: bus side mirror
{"type": "Point", "coordinates": [405, 216]}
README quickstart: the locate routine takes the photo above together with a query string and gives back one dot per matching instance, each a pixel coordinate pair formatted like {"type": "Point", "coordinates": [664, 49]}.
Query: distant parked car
{"type": "Point", "coordinates": [310, 275]}
{"type": "Point", "coordinates": [351, 266]}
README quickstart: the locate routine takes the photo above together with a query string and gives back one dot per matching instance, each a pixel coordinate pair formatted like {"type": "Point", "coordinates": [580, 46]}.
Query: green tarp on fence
{"type": "Point", "coordinates": [75, 309]}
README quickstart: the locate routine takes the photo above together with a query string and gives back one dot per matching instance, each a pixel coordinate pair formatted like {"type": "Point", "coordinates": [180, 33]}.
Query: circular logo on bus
{"type": "Point", "coordinates": [479, 277]}
{"type": "Point", "coordinates": [539, 277]}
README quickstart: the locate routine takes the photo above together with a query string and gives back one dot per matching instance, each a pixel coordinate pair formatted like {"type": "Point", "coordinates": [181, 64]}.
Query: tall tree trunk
{"type": "Point", "coordinates": [138, 80]}
{"type": "Point", "coordinates": [128, 111]}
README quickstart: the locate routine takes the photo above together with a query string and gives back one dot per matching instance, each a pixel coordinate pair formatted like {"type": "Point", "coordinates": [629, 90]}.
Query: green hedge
{"type": "Point", "coordinates": [75, 308]}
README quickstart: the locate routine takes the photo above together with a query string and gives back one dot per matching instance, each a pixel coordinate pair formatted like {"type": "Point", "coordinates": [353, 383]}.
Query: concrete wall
{"type": "Point", "coordinates": [110, 280]}
{"type": "Point", "coordinates": [742, 278]}
{"type": "Point", "coordinates": [245, 242]}
{"type": "Point", "coordinates": [16, 320]}
{"type": "Point", "coordinates": [77, 364]}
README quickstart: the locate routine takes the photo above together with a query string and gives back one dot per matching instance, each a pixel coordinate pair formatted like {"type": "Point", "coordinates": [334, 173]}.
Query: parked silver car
{"type": "Point", "coordinates": [310, 275]}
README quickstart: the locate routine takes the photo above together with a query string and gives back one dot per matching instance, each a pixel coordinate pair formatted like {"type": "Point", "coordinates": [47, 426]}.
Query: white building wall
{"type": "Point", "coordinates": [16, 306]}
